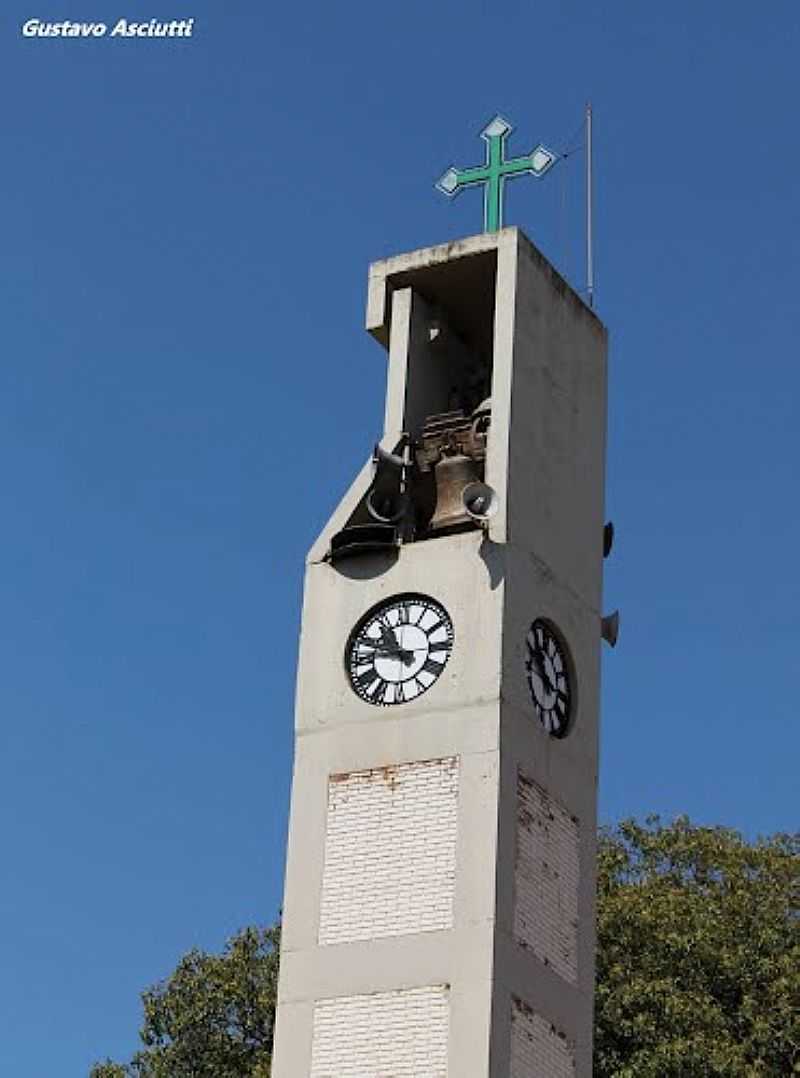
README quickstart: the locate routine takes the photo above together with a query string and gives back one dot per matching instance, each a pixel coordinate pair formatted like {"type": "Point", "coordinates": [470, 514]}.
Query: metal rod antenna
{"type": "Point", "coordinates": [589, 245]}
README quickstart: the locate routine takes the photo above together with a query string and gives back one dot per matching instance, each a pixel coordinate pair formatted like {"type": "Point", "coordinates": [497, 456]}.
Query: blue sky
{"type": "Point", "coordinates": [186, 389]}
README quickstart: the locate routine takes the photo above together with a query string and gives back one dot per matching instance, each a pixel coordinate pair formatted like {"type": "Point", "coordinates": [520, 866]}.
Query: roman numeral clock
{"type": "Point", "coordinates": [440, 881]}
{"type": "Point", "coordinates": [398, 649]}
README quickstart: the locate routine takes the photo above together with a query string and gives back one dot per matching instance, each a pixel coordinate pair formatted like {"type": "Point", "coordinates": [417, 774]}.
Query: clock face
{"type": "Point", "coordinates": [398, 649]}
{"type": "Point", "coordinates": [549, 678]}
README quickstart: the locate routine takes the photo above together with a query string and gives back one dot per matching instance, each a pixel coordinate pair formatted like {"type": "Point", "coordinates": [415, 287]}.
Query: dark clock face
{"type": "Point", "coordinates": [549, 678]}
{"type": "Point", "coordinates": [398, 649]}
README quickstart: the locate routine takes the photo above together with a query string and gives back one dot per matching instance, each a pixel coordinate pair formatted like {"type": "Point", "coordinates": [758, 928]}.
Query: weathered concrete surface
{"type": "Point", "coordinates": [505, 311]}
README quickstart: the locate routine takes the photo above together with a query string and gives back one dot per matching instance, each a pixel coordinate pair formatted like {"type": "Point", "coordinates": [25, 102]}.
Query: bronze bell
{"type": "Point", "coordinates": [452, 475]}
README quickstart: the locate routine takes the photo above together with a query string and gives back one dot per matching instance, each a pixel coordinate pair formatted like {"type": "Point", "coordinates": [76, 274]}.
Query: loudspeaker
{"type": "Point", "coordinates": [609, 628]}
{"type": "Point", "coordinates": [386, 500]}
{"type": "Point", "coordinates": [480, 501]}
{"type": "Point", "coordinates": [362, 539]}
{"type": "Point", "coordinates": [608, 538]}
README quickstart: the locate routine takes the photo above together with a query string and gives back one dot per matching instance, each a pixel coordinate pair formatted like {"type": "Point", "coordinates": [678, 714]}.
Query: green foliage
{"type": "Point", "coordinates": [213, 1017]}
{"type": "Point", "coordinates": [698, 969]}
{"type": "Point", "coordinates": [698, 964]}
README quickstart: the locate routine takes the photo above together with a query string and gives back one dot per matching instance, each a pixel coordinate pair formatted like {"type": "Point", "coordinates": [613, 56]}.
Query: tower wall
{"type": "Point", "coordinates": [422, 793]}
{"type": "Point", "coordinates": [439, 902]}
{"type": "Point", "coordinates": [555, 470]}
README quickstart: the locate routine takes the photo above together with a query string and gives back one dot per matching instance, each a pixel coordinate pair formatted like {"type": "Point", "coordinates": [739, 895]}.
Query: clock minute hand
{"type": "Point", "coordinates": [386, 651]}
{"type": "Point", "coordinates": [540, 670]}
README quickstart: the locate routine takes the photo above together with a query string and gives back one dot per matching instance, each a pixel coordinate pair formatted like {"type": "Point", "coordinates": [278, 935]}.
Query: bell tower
{"type": "Point", "coordinates": [439, 911]}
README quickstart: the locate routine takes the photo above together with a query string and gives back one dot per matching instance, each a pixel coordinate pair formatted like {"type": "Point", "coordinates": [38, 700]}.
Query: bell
{"type": "Point", "coordinates": [452, 475]}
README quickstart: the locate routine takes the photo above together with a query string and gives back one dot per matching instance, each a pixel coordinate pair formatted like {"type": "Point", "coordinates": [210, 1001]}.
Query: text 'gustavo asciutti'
{"type": "Point", "coordinates": [121, 28]}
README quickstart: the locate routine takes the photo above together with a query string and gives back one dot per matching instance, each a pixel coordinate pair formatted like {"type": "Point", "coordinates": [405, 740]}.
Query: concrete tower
{"type": "Point", "coordinates": [439, 912]}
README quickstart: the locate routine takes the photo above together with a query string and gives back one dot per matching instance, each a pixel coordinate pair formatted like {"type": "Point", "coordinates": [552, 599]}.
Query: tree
{"type": "Point", "coordinates": [213, 1017]}
{"type": "Point", "coordinates": [698, 969]}
{"type": "Point", "coordinates": [698, 962]}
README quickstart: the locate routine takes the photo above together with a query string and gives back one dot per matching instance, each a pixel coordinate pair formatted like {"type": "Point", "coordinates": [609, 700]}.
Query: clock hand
{"type": "Point", "coordinates": [387, 646]}
{"type": "Point", "coordinates": [396, 649]}
{"type": "Point", "coordinates": [390, 649]}
{"type": "Point", "coordinates": [540, 670]}
{"type": "Point", "coordinates": [396, 653]}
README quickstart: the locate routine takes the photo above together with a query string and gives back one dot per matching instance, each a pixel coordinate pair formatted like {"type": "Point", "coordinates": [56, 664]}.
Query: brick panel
{"type": "Point", "coordinates": [390, 851]}
{"type": "Point", "coordinates": [399, 1034]}
{"type": "Point", "coordinates": [546, 879]}
{"type": "Point", "coordinates": [537, 1047]}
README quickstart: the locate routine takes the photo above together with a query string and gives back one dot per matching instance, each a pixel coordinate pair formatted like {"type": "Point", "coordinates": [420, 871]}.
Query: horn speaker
{"type": "Point", "coordinates": [609, 628]}
{"type": "Point", "coordinates": [608, 538]}
{"type": "Point", "coordinates": [480, 501]}
{"type": "Point", "coordinates": [386, 500]}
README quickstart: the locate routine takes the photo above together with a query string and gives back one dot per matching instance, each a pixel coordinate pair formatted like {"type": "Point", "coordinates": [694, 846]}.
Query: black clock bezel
{"type": "Point", "coordinates": [553, 631]}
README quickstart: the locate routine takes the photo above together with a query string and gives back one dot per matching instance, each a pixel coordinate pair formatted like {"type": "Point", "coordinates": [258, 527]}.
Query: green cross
{"type": "Point", "coordinates": [494, 172]}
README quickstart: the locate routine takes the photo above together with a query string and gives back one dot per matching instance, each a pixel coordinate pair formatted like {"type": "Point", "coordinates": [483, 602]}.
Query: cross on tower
{"type": "Point", "coordinates": [495, 171]}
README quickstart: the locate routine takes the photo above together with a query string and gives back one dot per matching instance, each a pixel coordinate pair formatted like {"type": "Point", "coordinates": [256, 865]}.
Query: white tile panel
{"type": "Point", "coordinates": [546, 879]}
{"type": "Point", "coordinates": [390, 851]}
{"type": "Point", "coordinates": [400, 1034]}
{"type": "Point", "coordinates": [538, 1049]}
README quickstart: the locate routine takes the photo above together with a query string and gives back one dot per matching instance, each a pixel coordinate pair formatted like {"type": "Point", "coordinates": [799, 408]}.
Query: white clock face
{"type": "Point", "coordinates": [549, 678]}
{"type": "Point", "coordinates": [399, 649]}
